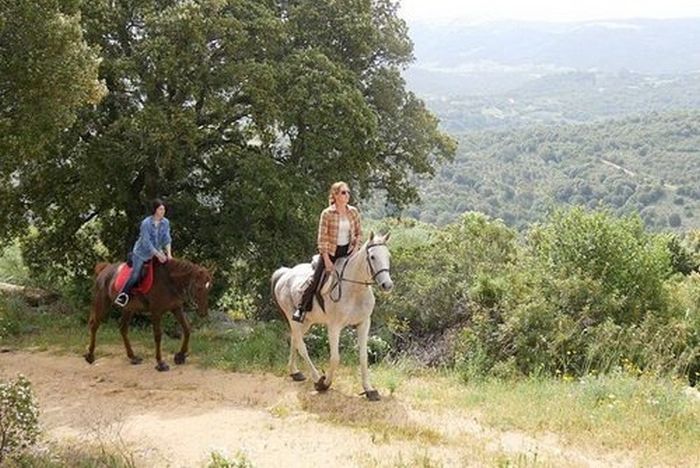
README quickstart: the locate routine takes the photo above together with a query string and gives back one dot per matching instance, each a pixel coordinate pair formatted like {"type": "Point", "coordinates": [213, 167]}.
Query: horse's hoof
{"type": "Point", "coordinates": [180, 358]}
{"type": "Point", "coordinates": [162, 367]}
{"type": "Point", "coordinates": [298, 377]}
{"type": "Point", "coordinates": [135, 360]}
{"type": "Point", "coordinates": [371, 395]}
{"type": "Point", "coordinates": [90, 358]}
{"type": "Point", "coordinates": [321, 385]}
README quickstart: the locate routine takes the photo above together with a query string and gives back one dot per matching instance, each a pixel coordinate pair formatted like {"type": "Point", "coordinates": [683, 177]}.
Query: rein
{"type": "Point", "coordinates": [339, 279]}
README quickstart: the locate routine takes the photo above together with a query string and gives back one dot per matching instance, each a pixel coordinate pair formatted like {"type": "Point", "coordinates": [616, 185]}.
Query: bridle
{"type": "Point", "coordinates": [188, 292]}
{"type": "Point", "coordinates": [372, 271]}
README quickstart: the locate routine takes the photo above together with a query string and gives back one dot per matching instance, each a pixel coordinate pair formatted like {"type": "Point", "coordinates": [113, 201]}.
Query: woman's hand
{"type": "Point", "coordinates": [328, 264]}
{"type": "Point", "coordinates": [161, 257]}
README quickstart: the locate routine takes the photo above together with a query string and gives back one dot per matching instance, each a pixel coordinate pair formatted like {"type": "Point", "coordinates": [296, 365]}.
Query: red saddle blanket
{"type": "Point", "coordinates": [143, 286]}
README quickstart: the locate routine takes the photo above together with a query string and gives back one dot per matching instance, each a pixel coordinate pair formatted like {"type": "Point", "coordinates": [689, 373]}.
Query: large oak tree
{"type": "Point", "coordinates": [239, 113]}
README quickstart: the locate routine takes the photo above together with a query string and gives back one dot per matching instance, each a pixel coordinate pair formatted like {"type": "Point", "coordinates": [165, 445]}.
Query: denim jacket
{"type": "Point", "coordinates": [152, 239]}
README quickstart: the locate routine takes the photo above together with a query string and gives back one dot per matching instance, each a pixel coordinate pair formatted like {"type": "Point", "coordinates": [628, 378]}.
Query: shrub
{"type": "Point", "coordinates": [623, 266]}
{"type": "Point", "coordinates": [590, 293]}
{"type": "Point", "coordinates": [240, 460]}
{"type": "Point", "coordinates": [433, 278]}
{"type": "Point", "coordinates": [19, 417]}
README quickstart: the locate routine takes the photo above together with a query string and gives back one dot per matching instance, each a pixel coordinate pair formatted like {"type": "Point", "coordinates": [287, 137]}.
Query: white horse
{"type": "Point", "coordinates": [349, 302]}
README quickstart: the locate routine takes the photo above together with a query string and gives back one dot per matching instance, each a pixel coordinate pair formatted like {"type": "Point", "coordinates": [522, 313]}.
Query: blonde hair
{"type": "Point", "coordinates": [335, 189]}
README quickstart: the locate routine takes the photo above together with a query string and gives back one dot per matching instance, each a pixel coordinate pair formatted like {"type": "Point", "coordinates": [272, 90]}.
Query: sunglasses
{"type": "Point", "coordinates": [345, 192]}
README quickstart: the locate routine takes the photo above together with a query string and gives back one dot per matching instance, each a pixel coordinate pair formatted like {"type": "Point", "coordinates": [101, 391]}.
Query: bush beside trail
{"type": "Point", "coordinates": [587, 292]}
{"type": "Point", "coordinates": [19, 418]}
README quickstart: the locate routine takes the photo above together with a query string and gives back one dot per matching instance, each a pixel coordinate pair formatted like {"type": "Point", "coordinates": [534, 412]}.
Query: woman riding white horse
{"type": "Point", "coordinates": [339, 233]}
{"type": "Point", "coordinates": [349, 302]}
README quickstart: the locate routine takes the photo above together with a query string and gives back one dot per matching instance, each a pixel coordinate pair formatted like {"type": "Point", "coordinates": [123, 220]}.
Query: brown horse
{"type": "Point", "coordinates": [174, 283]}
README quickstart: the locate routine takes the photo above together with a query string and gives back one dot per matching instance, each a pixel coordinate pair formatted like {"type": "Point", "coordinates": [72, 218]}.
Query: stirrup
{"type": "Point", "coordinates": [298, 315]}
{"type": "Point", "coordinates": [122, 299]}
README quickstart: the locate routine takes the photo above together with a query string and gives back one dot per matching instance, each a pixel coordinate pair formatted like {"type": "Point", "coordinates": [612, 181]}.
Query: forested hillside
{"type": "Point", "coordinates": [648, 165]}
{"type": "Point", "coordinates": [572, 97]}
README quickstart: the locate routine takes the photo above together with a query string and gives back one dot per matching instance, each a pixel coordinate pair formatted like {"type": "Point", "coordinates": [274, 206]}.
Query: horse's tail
{"type": "Point", "coordinates": [273, 282]}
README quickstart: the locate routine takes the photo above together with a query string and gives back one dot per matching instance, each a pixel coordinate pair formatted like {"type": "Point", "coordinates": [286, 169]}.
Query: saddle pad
{"type": "Point", "coordinates": [143, 286]}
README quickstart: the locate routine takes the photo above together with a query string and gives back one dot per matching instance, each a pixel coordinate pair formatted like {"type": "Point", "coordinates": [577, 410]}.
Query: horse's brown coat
{"type": "Point", "coordinates": [174, 282]}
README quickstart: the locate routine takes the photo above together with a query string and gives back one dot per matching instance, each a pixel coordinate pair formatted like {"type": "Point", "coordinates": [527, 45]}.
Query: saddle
{"type": "Point", "coordinates": [327, 282]}
{"type": "Point", "coordinates": [124, 271]}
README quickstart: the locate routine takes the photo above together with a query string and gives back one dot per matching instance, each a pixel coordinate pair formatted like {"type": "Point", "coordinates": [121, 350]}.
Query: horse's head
{"type": "Point", "coordinates": [379, 260]}
{"type": "Point", "coordinates": [201, 285]}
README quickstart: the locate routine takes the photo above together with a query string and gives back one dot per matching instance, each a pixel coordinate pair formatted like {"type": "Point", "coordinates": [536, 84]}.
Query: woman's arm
{"type": "Point", "coordinates": [357, 235]}
{"type": "Point", "coordinates": [145, 236]}
{"type": "Point", "coordinates": [167, 239]}
{"type": "Point", "coordinates": [324, 240]}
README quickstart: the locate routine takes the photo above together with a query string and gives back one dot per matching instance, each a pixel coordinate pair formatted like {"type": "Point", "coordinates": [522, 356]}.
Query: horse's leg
{"type": "Point", "coordinates": [294, 371]}
{"type": "Point", "coordinates": [297, 334]}
{"type": "Point", "coordinates": [99, 306]}
{"type": "Point", "coordinates": [334, 344]}
{"type": "Point", "coordinates": [362, 335]}
{"type": "Point", "coordinates": [157, 335]}
{"type": "Point", "coordinates": [124, 330]}
{"type": "Point", "coordinates": [181, 318]}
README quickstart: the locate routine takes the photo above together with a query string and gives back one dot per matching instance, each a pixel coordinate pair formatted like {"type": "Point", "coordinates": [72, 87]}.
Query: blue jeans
{"type": "Point", "coordinates": [136, 267]}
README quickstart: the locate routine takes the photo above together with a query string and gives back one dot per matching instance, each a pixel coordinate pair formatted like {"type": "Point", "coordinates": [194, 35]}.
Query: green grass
{"type": "Point", "coordinates": [648, 417]}
{"type": "Point", "coordinates": [12, 268]}
{"type": "Point", "coordinates": [262, 347]}
{"type": "Point", "coordinates": [75, 455]}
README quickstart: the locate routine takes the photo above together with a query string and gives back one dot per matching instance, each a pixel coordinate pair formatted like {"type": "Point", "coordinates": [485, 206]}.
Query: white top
{"type": "Point", "coordinates": [343, 231]}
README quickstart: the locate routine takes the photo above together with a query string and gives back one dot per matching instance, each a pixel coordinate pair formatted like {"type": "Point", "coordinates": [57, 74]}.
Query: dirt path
{"type": "Point", "coordinates": [179, 418]}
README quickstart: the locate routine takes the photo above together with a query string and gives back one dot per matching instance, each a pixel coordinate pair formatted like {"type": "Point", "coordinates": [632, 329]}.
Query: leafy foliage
{"type": "Point", "coordinates": [433, 278]}
{"type": "Point", "coordinates": [47, 72]}
{"type": "Point", "coordinates": [584, 292]}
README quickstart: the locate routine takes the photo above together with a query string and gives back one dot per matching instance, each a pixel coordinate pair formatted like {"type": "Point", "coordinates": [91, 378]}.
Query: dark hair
{"type": "Point", "coordinates": [155, 204]}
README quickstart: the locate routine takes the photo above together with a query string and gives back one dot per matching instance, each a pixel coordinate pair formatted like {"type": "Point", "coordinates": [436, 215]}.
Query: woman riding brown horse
{"type": "Point", "coordinates": [174, 283]}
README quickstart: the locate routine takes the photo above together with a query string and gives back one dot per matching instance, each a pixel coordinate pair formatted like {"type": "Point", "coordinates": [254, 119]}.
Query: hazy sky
{"type": "Point", "coordinates": [548, 10]}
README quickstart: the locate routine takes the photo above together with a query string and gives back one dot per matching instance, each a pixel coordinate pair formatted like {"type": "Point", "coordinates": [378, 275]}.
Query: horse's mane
{"type": "Point", "coordinates": [182, 271]}
{"type": "Point", "coordinates": [99, 267]}
{"type": "Point", "coordinates": [369, 242]}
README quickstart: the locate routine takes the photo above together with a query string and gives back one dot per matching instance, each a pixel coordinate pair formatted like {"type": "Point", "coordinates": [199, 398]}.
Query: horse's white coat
{"type": "Point", "coordinates": [369, 264]}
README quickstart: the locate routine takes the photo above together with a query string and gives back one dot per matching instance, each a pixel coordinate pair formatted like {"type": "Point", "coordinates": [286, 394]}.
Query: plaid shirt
{"type": "Point", "coordinates": [328, 229]}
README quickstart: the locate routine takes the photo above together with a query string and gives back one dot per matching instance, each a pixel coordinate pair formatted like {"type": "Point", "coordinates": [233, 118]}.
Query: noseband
{"type": "Point", "coordinates": [371, 268]}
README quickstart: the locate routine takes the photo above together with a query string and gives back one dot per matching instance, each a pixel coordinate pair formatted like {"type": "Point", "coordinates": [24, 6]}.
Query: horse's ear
{"type": "Point", "coordinates": [371, 235]}
{"type": "Point", "coordinates": [211, 267]}
{"type": "Point", "coordinates": [387, 236]}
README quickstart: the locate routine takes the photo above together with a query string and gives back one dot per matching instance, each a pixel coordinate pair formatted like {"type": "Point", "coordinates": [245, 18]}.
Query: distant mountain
{"type": "Point", "coordinates": [572, 97]}
{"type": "Point", "coordinates": [461, 58]}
